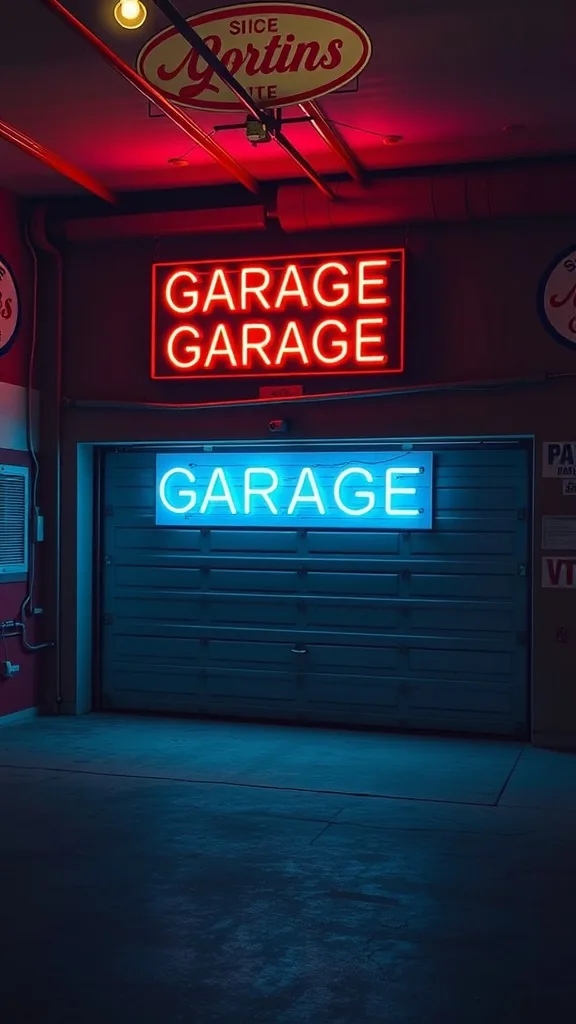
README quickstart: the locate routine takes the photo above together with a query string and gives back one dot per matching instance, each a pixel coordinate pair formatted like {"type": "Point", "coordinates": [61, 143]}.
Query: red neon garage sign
{"type": "Point", "coordinates": [282, 316]}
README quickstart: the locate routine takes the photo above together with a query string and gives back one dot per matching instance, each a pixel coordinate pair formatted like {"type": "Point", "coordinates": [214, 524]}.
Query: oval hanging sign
{"type": "Point", "coordinates": [9, 307]}
{"type": "Point", "coordinates": [282, 53]}
{"type": "Point", "coordinates": [557, 298]}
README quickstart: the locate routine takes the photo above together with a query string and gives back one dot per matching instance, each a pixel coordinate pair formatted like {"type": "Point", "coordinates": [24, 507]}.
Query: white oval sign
{"type": "Point", "coordinates": [557, 298]}
{"type": "Point", "coordinates": [282, 53]}
{"type": "Point", "coordinates": [9, 308]}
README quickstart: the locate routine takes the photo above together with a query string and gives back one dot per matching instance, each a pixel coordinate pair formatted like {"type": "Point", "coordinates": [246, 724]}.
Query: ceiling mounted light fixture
{"type": "Point", "coordinates": [130, 13]}
{"type": "Point", "coordinates": [256, 132]}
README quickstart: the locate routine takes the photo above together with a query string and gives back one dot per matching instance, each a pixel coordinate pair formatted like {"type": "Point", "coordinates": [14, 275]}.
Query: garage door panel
{"type": "Point", "coordinates": [439, 695]}
{"type": "Point", "coordinates": [134, 498]}
{"type": "Point", "coordinates": [361, 542]}
{"type": "Point", "coordinates": [174, 679]}
{"type": "Point", "coordinates": [480, 471]}
{"type": "Point", "coordinates": [159, 701]}
{"type": "Point", "coordinates": [151, 577]}
{"type": "Point", "coordinates": [461, 457]}
{"type": "Point", "coordinates": [254, 542]}
{"type": "Point", "coordinates": [247, 610]}
{"type": "Point", "coordinates": [267, 654]}
{"type": "Point", "coordinates": [259, 581]}
{"type": "Point", "coordinates": [462, 663]}
{"type": "Point", "coordinates": [159, 606]}
{"type": "Point", "coordinates": [135, 613]}
{"type": "Point", "coordinates": [167, 603]}
{"type": "Point", "coordinates": [471, 586]}
{"type": "Point", "coordinates": [157, 560]}
{"type": "Point", "coordinates": [133, 518]}
{"type": "Point", "coordinates": [449, 619]}
{"type": "Point", "coordinates": [351, 657]}
{"type": "Point", "coordinates": [337, 613]}
{"type": "Point", "coordinates": [245, 687]}
{"type": "Point", "coordinates": [457, 544]}
{"type": "Point", "coordinates": [463, 566]}
{"type": "Point", "coordinates": [352, 583]}
{"type": "Point", "coordinates": [453, 499]}
{"type": "Point", "coordinates": [158, 649]}
{"type": "Point", "coordinates": [423, 629]}
{"type": "Point", "coordinates": [342, 692]}
{"type": "Point", "coordinates": [491, 520]}
{"type": "Point", "coordinates": [148, 540]}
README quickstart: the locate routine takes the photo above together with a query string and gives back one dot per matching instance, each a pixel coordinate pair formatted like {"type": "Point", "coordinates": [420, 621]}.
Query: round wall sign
{"type": "Point", "coordinates": [9, 307]}
{"type": "Point", "coordinates": [557, 298]}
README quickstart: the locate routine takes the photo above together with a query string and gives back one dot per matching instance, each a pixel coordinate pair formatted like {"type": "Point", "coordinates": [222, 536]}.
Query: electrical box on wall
{"type": "Point", "coordinates": [14, 521]}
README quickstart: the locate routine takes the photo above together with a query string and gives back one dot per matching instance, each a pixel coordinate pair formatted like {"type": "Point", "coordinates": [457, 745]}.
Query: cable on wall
{"type": "Point", "coordinates": [27, 603]}
{"type": "Point", "coordinates": [464, 387]}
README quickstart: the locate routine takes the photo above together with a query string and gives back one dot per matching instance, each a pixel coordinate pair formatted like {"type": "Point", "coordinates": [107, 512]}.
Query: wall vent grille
{"type": "Point", "coordinates": [14, 520]}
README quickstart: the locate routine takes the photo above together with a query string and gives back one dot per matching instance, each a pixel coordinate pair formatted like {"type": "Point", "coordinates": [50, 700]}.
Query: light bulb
{"type": "Point", "coordinates": [130, 13]}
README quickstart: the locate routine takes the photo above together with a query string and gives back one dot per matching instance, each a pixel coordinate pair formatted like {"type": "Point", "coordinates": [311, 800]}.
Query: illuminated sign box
{"type": "Point", "coordinates": [298, 490]}
{"type": "Point", "coordinates": [283, 316]}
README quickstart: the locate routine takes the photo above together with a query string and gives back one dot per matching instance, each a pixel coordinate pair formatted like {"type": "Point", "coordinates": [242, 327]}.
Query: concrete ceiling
{"type": "Point", "coordinates": [448, 76]}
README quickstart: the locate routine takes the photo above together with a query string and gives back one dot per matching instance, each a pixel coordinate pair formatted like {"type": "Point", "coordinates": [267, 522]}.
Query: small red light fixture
{"type": "Point", "coordinates": [178, 161]}
{"type": "Point", "coordinates": [392, 140]}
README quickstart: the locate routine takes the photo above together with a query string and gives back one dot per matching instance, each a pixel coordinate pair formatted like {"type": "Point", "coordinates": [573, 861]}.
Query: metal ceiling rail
{"type": "Point", "coordinates": [179, 118]}
{"type": "Point", "coordinates": [264, 116]}
{"type": "Point", "coordinates": [55, 162]}
{"type": "Point", "coordinates": [334, 140]}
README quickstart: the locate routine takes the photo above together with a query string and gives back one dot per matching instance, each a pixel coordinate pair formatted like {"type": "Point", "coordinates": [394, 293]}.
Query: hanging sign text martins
{"type": "Point", "coordinates": [282, 53]}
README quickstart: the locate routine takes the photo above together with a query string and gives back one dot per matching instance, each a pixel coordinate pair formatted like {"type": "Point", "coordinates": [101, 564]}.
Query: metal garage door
{"type": "Point", "coordinates": [397, 628]}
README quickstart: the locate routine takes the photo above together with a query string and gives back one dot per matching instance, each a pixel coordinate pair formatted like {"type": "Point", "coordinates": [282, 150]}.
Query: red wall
{"type": "Point", "coordinates": [18, 693]}
{"type": "Point", "coordinates": [470, 300]}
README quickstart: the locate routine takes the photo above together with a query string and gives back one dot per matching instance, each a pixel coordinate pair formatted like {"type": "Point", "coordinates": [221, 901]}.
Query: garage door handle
{"type": "Point", "coordinates": [299, 650]}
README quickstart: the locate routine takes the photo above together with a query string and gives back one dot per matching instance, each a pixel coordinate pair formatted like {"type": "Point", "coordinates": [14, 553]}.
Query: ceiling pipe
{"type": "Point", "coordinates": [56, 163]}
{"type": "Point", "coordinates": [168, 223]}
{"type": "Point", "coordinates": [264, 116]}
{"type": "Point", "coordinates": [177, 116]}
{"type": "Point", "coordinates": [334, 141]}
{"type": "Point", "coordinates": [443, 197]}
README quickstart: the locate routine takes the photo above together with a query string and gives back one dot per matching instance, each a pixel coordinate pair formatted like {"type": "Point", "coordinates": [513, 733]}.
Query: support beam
{"type": "Point", "coordinates": [177, 116]}
{"type": "Point", "coordinates": [334, 141]}
{"type": "Point", "coordinates": [56, 163]}
{"type": "Point", "coordinates": [243, 96]}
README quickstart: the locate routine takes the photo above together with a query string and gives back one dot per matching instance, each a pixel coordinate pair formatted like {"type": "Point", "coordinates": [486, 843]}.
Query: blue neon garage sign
{"type": "Point", "coordinates": [303, 490]}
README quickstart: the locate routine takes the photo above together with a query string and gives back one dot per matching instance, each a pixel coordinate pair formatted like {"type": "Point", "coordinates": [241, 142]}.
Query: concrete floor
{"type": "Point", "coordinates": [159, 870]}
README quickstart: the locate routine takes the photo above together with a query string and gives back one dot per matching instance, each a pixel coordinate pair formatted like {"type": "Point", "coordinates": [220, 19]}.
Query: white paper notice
{"type": "Point", "coordinates": [559, 533]}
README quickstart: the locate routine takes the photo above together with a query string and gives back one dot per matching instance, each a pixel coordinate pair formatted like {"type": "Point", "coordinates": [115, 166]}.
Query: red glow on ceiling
{"type": "Point", "coordinates": [269, 318]}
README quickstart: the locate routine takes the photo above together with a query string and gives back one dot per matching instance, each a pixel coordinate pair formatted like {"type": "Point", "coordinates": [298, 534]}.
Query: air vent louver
{"type": "Point", "coordinates": [13, 520]}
